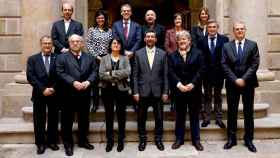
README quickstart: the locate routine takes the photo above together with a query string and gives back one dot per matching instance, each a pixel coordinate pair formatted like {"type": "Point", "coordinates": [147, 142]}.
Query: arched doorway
{"type": "Point", "coordinates": [164, 9]}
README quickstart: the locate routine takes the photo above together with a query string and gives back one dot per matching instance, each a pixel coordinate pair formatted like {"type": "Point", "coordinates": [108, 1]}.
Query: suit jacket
{"type": "Point", "coordinates": [37, 75]}
{"type": "Point", "coordinates": [170, 44]}
{"type": "Point", "coordinates": [246, 68]}
{"type": "Point", "coordinates": [160, 33]}
{"type": "Point", "coordinates": [191, 71]}
{"type": "Point", "coordinates": [60, 37]}
{"type": "Point", "coordinates": [196, 34]}
{"type": "Point", "coordinates": [134, 37]}
{"type": "Point", "coordinates": [147, 81]}
{"type": "Point", "coordinates": [214, 71]}
{"type": "Point", "coordinates": [68, 70]}
{"type": "Point", "coordinates": [119, 77]}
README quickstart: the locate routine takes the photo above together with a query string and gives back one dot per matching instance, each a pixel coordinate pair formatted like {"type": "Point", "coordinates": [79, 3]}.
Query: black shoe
{"type": "Point", "coordinates": [109, 146]}
{"type": "Point", "coordinates": [198, 146]}
{"type": "Point", "coordinates": [69, 151]}
{"type": "Point", "coordinates": [142, 145]}
{"type": "Point", "coordinates": [159, 145]}
{"type": "Point", "coordinates": [205, 123]}
{"type": "Point", "coordinates": [220, 124]}
{"type": "Point", "coordinates": [54, 147]}
{"type": "Point", "coordinates": [120, 146]}
{"type": "Point", "coordinates": [230, 144]}
{"type": "Point", "coordinates": [251, 147]}
{"type": "Point", "coordinates": [86, 146]}
{"type": "Point", "coordinates": [41, 149]}
{"type": "Point", "coordinates": [177, 144]}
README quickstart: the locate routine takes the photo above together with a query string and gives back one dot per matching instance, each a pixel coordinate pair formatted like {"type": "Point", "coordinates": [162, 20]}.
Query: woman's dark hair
{"type": "Point", "coordinates": [106, 23]}
{"type": "Point", "coordinates": [205, 10]}
{"type": "Point", "coordinates": [120, 42]}
{"type": "Point", "coordinates": [182, 17]}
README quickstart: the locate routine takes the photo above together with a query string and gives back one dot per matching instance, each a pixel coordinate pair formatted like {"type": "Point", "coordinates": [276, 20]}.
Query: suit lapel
{"type": "Point", "coordinates": [233, 47]}
{"type": "Point", "coordinates": [130, 32]}
{"type": "Point", "coordinates": [71, 25]}
{"type": "Point", "coordinates": [121, 30]}
{"type": "Point", "coordinates": [245, 51]}
{"type": "Point", "coordinates": [62, 26]}
{"type": "Point", "coordinates": [72, 59]}
{"type": "Point", "coordinates": [145, 59]}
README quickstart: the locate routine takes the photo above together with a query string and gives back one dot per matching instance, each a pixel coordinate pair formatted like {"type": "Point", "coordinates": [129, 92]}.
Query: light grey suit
{"type": "Point", "coordinates": [119, 77]}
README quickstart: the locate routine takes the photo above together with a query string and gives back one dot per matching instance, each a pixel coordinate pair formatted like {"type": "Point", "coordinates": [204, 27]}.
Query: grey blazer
{"type": "Point", "coordinates": [118, 77]}
{"type": "Point", "coordinates": [147, 81]}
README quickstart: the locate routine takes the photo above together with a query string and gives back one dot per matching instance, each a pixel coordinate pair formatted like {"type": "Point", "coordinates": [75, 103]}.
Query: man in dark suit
{"type": "Point", "coordinates": [42, 77]}
{"type": "Point", "coordinates": [62, 29]}
{"type": "Point", "coordinates": [78, 71]}
{"type": "Point", "coordinates": [211, 46]}
{"type": "Point", "coordinates": [150, 87]}
{"type": "Point", "coordinates": [186, 69]}
{"type": "Point", "coordinates": [150, 18]}
{"type": "Point", "coordinates": [128, 31]}
{"type": "Point", "coordinates": [240, 63]}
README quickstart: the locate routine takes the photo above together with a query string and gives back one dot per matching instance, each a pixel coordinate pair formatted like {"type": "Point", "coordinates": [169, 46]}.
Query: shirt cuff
{"type": "Point", "coordinates": [179, 84]}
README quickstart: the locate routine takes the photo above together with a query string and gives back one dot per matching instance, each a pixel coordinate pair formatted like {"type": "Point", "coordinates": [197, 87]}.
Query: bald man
{"type": "Point", "coordinates": [78, 72]}
{"type": "Point", "coordinates": [150, 24]}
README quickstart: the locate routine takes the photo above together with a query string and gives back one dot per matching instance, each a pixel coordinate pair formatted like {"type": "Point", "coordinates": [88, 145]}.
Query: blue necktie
{"type": "Point", "coordinates": [240, 52]}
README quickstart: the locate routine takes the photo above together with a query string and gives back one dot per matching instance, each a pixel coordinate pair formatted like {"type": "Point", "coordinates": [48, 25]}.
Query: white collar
{"type": "Point", "coordinates": [242, 42]}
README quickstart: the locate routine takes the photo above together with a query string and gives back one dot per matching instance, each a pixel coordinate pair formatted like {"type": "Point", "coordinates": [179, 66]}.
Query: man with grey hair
{"type": "Point", "coordinates": [78, 72]}
{"type": "Point", "coordinates": [240, 63]}
{"type": "Point", "coordinates": [186, 68]}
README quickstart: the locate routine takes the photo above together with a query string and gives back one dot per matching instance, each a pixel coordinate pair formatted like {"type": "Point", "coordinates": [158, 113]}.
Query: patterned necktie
{"type": "Point", "coordinates": [150, 57]}
{"type": "Point", "coordinates": [47, 64]}
{"type": "Point", "coordinates": [212, 45]}
{"type": "Point", "coordinates": [125, 30]}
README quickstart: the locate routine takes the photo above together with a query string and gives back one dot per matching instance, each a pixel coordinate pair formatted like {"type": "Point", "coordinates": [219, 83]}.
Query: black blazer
{"type": "Point", "coordinates": [60, 37]}
{"type": "Point", "coordinates": [246, 69]}
{"type": "Point", "coordinates": [214, 71]}
{"type": "Point", "coordinates": [160, 33]}
{"type": "Point", "coordinates": [134, 37]}
{"type": "Point", "coordinates": [68, 70]}
{"type": "Point", "coordinates": [191, 71]}
{"type": "Point", "coordinates": [37, 75]}
{"type": "Point", "coordinates": [197, 35]}
{"type": "Point", "coordinates": [148, 81]}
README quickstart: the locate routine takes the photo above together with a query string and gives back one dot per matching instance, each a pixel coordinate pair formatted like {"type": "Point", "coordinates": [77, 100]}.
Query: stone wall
{"type": "Point", "coordinates": [10, 40]}
{"type": "Point", "coordinates": [273, 23]}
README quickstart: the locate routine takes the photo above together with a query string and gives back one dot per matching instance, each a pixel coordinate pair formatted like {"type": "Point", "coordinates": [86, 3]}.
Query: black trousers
{"type": "Point", "coordinates": [112, 97]}
{"type": "Point", "coordinates": [157, 105]}
{"type": "Point", "coordinates": [40, 108]}
{"type": "Point", "coordinates": [207, 106]}
{"type": "Point", "coordinates": [187, 102]}
{"type": "Point", "coordinates": [233, 96]}
{"type": "Point", "coordinates": [81, 106]}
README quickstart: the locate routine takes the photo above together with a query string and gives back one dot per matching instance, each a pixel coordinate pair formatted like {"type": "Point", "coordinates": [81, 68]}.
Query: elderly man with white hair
{"type": "Point", "coordinates": [78, 72]}
{"type": "Point", "coordinates": [186, 68]}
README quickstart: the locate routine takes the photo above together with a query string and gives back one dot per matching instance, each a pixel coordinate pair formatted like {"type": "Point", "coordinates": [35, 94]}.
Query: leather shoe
{"type": "Point", "coordinates": [69, 151]}
{"type": "Point", "coordinates": [54, 147]}
{"type": "Point", "coordinates": [251, 147]}
{"type": "Point", "coordinates": [220, 124]}
{"type": "Point", "coordinates": [160, 145]}
{"type": "Point", "coordinates": [230, 144]}
{"type": "Point", "coordinates": [205, 123]}
{"type": "Point", "coordinates": [142, 146]}
{"type": "Point", "coordinates": [198, 146]}
{"type": "Point", "coordinates": [177, 144]}
{"type": "Point", "coordinates": [86, 146]}
{"type": "Point", "coordinates": [120, 146]}
{"type": "Point", "coordinates": [109, 146]}
{"type": "Point", "coordinates": [41, 149]}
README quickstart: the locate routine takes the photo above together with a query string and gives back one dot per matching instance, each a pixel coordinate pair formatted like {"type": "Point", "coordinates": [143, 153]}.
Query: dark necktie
{"type": "Point", "coordinates": [240, 52]}
{"type": "Point", "coordinates": [125, 30]}
{"type": "Point", "coordinates": [212, 45]}
{"type": "Point", "coordinates": [47, 64]}
{"type": "Point", "coordinates": [78, 58]}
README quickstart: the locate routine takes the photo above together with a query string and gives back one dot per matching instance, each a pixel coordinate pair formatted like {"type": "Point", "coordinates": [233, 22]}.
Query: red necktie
{"type": "Point", "coordinates": [125, 30]}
